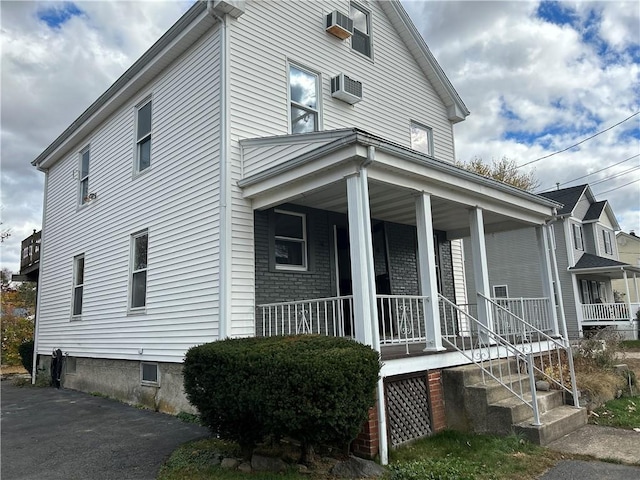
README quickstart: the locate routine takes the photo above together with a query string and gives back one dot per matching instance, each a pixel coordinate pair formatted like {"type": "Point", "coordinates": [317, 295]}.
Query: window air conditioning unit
{"type": "Point", "coordinates": [339, 24]}
{"type": "Point", "coordinates": [346, 89]}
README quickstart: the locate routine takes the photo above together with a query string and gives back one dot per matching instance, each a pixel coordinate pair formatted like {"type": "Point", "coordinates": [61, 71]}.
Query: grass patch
{"type": "Point", "coordinates": [620, 413]}
{"type": "Point", "coordinates": [454, 455]}
{"type": "Point", "coordinates": [631, 345]}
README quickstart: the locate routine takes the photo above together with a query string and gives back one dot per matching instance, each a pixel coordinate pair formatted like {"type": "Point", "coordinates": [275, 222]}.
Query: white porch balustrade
{"type": "Point", "coordinates": [606, 312]}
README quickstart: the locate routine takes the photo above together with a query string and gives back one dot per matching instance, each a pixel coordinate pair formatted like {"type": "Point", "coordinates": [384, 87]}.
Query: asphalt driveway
{"type": "Point", "coordinates": [62, 434]}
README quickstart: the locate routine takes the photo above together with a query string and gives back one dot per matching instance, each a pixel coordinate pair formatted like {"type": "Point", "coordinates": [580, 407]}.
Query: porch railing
{"type": "Point", "coordinates": [324, 316]}
{"type": "Point", "coordinates": [536, 354]}
{"type": "Point", "coordinates": [595, 312]}
{"type": "Point", "coordinates": [400, 318]}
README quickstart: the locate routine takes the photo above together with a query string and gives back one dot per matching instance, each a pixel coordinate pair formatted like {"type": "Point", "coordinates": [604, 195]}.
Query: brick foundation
{"type": "Point", "coordinates": [367, 442]}
{"type": "Point", "coordinates": [436, 399]}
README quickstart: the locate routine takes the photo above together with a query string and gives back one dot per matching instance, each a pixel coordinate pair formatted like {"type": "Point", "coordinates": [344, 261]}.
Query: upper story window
{"type": "Point", "coordinates": [577, 237]}
{"type": "Point", "coordinates": [361, 39]}
{"type": "Point", "coordinates": [78, 285]}
{"type": "Point", "coordinates": [304, 100]}
{"type": "Point", "coordinates": [290, 240]}
{"type": "Point", "coordinates": [85, 156]}
{"type": "Point", "coordinates": [139, 247]}
{"type": "Point", "coordinates": [608, 247]}
{"type": "Point", "coordinates": [421, 138]}
{"type": "Point", "coordinates": [143, 136]}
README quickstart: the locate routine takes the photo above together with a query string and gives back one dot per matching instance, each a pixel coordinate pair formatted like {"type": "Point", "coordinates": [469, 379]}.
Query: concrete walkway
{"type": "Point", "coordinates": [67, 435]}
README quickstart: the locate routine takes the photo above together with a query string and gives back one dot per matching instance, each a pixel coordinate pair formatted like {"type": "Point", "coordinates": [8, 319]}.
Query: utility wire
{"type": "Point", "coordinates": [602, 180]}
{"type": "Point", "coordinates": [580, 142]}
{"type": "Point", "coordinates": [618, 188]}
{"type": "Point", "coordinates": [592, 173]}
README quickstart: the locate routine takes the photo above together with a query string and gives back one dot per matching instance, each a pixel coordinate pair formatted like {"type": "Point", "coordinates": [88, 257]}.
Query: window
{"type": "Point", "coordinates": [500, 291]}
{"type": "Point", "coordinates": [304, 101]}
{"type": "Point", "coordinates": [78, 285]}
{"type": "Point", "coordinates": [577, 237]}
{"type": "Point", "coordinates": [290, 240]}
{"type": "Point", "coordinates": [84, 176]}
{"type": "Point", "coordinates": [143, 136]}
{"type": "Point", "coordinates": [606, 236]}
{"type": "Point", "coordinates": [421, 138]}
{"type": "Point", "coordinates": [149, 374]}
{"type": "Point", "coordinates": [139, 244]}
{"type": "Point", "coordinates": [361, 39]}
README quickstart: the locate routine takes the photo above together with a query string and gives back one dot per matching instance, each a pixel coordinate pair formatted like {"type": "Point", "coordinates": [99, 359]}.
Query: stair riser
{"type": "Point", "coordinates": [521, 411]}
{"type": "Point", "coordinates": [471, 374]}
{"type": "Point", "coordinates": [495, 392]}
{"type": "Point", "coordinates": [545, 434]}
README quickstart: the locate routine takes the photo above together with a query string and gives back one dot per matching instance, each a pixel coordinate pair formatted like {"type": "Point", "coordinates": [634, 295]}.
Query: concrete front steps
{"type": "Point", "coordinates": [485, 406]}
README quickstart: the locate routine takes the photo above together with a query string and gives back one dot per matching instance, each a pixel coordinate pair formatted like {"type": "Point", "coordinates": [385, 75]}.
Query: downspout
{"type": "Point", "coordinates": [34, 362]}
{"type": "Point", "coordinates": [224, 309]}
{"type": "Point", "coordinates": [375, 333]}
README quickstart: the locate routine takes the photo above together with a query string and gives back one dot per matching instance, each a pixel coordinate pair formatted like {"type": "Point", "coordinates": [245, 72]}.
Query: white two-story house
{"type": "Point", "coordinates": [270, 168]}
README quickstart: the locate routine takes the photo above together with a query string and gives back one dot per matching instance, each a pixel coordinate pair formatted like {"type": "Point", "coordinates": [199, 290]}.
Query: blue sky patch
{"type": "Point", "coordinates": [55, 16]}
{"type": "Point", "coordinates": [556, 13]}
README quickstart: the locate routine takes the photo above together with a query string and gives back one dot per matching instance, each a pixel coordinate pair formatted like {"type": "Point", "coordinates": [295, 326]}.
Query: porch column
{"type": "Point", "coordinates": [562, 321]}
{"type": "Point", "coordinates": [547, 279]}
{"type": "Point", "coordinates": [480, 269]}
{"type": "Point", "coordinates": [427, 272]}
{"type": "Point", "coordinates": [635, 284]}
{"type": "Point", "coordinates": [578, 302]}
{"type": "Point", "coordinates": [626, 286]}
{"type": "Point", "coordinates": [364, 295]}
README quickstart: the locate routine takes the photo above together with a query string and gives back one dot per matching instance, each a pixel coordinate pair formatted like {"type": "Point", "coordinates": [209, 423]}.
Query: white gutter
{"type": "Point", "coordinates": [224, 293]}
{"type": "Point", "coordinates": [34, 362]}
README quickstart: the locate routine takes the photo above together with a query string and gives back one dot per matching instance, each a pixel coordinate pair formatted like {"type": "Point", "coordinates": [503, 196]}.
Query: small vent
{"type": "Point", "coordinates": [346, 89]}
{"type": "Point", "coordinates": [339, 24]}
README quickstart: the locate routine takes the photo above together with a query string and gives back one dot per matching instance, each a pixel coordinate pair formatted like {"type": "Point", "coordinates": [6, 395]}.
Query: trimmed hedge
{"type": "Point", "coordinates": [315, 389]}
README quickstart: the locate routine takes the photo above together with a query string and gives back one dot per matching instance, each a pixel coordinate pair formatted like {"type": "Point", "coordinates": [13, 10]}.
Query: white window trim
{"type": "Point", "coordinates": [136, 140]}
{"type": "Point", "coordinates": [506, 289]}
{"type": "Point", "coordinates": [429, 131]}
{"type": "Point", "coordinates": [75, 286]}
{"type": "Point", "coordinates": [82, 201]}
{"type": "Point", "coordinates": [369, 15]}
{"type": "Point", "coordinates": [150, 383]}
{"type": "Point", "coordinates": [608, 245]}
{"type": "Point", "coordinates": [131, 309]}
{"type": "Point", "coordinates": [578, 234]}
{"type": "Point", "coordinates": [304, 241]}
{"type": "Point", "coordinates": [318, 112]}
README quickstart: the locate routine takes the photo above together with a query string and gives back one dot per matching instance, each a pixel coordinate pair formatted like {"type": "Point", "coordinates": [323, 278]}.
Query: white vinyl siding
{"type": "Point", "coordinates": [177, 200]}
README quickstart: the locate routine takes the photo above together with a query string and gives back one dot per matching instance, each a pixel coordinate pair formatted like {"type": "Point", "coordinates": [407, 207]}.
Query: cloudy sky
{"type": "Point", "coordinates": [538, 78]}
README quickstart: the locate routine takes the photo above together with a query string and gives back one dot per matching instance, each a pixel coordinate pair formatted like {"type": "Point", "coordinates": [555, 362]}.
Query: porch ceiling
{"type": "Point", "coordinates": [311, 169]}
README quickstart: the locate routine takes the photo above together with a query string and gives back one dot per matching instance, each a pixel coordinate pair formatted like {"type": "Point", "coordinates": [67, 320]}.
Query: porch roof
{"type": "Point", "coordinates": [593, 264]}
{"type": "Point", "coordinates": [309, 169]}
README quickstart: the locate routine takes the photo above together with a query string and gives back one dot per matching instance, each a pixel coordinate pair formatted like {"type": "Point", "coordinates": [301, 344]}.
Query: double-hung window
{"type": "Point", "coordinates": [143, 136]}
{"type": "Point", "coordinates": [85, 156]}
{"type": "Point", "coordinates": [500, 291]}
{"type": "Point", "coordinates": [606, 237]}
{"type": "Point", "coordinates": [577, 237]}
{"type": "Point", "coordinates": [139, 247]}
{"type": "Point", "coordinates": [361, 39]}
{"type": "Point", "coordinates": [421, 138]}
{"type": "Point", "coordinates": [304, 93]}
{"type": "Point", "coordinates": [78, 285]}
{"type": "Point", "coordinates": [290, 240]}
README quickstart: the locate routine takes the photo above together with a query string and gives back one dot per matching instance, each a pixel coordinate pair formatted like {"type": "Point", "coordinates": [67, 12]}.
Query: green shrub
{"type": "Point", "coordinates": [26, 355]}
{"type": "Point", "coordinates": [314, 389]}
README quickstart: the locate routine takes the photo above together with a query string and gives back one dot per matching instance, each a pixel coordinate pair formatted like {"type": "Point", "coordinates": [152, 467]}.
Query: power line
{"type": "Point", "coordinates": [592, 173]}
{"type": "Point", "coordinates": [618, 188]}
{"type": "Point", "coordinates": [614, 176]}
{"type": "Point", "coordinates": [580, 142]}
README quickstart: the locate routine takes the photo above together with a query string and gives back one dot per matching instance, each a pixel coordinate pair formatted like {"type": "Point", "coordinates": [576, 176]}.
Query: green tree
{"type": "Point", "coordinates": [15, 329]}
{"type": "Point", "coordinates": [504, 170]}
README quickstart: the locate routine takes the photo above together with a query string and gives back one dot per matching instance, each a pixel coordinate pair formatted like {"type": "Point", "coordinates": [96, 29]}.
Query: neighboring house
{"type": "Point", "coordinates": [628, 252]}
{"type": "Point", "coordinates": [243, 179]}
{"type": "Point", "coordinates": [587, 260]}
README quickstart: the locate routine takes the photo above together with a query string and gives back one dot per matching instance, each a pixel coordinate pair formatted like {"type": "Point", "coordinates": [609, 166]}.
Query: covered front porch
{"type": "Point", "coordinates": [598, 305]}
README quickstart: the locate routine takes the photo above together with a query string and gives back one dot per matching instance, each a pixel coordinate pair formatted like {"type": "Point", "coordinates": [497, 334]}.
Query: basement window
{"type": "Point", "coordinates": [149, 374]}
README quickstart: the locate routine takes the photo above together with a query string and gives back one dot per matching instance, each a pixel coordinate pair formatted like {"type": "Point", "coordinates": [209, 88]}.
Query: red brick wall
{"type": "Point", "coordinates": [367, 442]}
{"type": "Point", "coordinates": [436, 397]}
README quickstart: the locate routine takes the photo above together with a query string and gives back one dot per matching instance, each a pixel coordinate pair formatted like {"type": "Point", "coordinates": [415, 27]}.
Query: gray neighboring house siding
{"type": "Point", "coordinates": [319, 281]}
